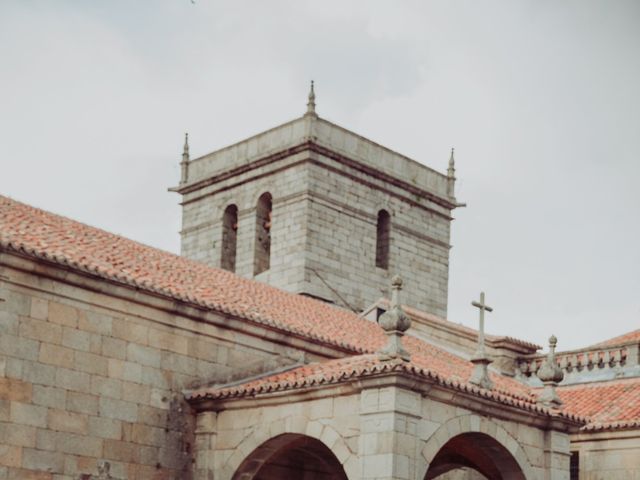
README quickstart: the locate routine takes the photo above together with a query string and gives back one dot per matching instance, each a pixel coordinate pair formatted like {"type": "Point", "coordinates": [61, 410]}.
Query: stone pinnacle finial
{"type": "Point", "coordinates": [394, 322]}
{"type": "Point", "coordinates": [184, 164]}
{"type": "Point", "coordinates": [551, 375]}
{"type": "Point", "coordinates": [480, 360]}
{"type": "Point", "coordinates": [311, 104]}
{"type": "Point", "coordinates": [451, 173]}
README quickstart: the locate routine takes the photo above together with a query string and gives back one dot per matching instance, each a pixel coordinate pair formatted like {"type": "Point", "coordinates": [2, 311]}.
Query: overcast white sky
{"type": "Point", "coordinates": [540, 98]}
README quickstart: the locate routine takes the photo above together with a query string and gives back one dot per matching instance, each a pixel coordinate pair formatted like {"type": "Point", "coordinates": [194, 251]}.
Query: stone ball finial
{"type": "Point", "coordinates": [395, 319]}
{"type": "Point", "coordinates": [549, 371]}
{"type": "Point", "coordinates": [395, 322]}
{"type": "Point", "coordinates": [551, 375]}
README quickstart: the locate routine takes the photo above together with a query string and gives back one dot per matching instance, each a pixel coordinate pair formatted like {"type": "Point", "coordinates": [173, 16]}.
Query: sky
{"type": "Point", "coordinates": [540, 98]}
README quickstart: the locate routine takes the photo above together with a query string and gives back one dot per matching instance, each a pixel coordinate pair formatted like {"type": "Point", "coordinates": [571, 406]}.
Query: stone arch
{"type": "Point", "coordinates": [250, 199]}
{"type": "Point", "coordinates": [476, 428]}
{"type": "Point", "coordinates": [282, 431]}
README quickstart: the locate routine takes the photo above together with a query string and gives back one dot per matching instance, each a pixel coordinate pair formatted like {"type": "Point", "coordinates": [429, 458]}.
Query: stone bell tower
{"type": "Point", "coordinates": [315, 209]}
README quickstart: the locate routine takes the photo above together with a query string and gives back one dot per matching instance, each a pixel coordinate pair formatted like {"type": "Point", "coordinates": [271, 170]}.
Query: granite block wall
{"type": "Point", "coordinates": [87, 376]}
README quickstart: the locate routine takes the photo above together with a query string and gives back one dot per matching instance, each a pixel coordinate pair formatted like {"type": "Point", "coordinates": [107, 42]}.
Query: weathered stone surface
{"type": "Point", "coordinates": [325, 210]}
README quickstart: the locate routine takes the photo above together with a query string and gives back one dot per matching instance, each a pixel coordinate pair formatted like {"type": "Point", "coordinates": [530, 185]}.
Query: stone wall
{"type": "Point", "coordinates": [613, 455]}
{"type": "Point", "coordinates": [90, 370]}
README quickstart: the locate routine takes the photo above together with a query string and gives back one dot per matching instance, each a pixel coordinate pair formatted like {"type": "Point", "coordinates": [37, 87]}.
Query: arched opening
{"type": "Point", "coordinates": [291, 456]}
{"type": "Point", "coordinates": [382, 239]}
{"type": "Point", "coordinates": [229, 238]}
{"type": "Point", "coordinates": [477, 453]}
{"type": "Point", "coordinates": [262, 256]}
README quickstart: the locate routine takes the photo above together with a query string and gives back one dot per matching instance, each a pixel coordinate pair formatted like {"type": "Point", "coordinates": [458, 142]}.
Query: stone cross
{"type": "Point", "coordinates": [482, 307]}
{"type": "Point", "coordinates": [480, 375]}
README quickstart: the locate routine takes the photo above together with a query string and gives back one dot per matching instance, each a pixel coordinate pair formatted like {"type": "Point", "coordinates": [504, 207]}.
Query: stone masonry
{"type": "Point", "coordinates": [92, 371]}
{"type": "Point", "coordinates": [328, 185]}
{"type": "Point", "coordinates": [386, 429]}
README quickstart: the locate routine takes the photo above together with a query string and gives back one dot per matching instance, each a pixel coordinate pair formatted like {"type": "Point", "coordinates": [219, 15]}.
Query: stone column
{"type": "Point", "coordinates": [206, 426]}
{"type": "Point", "coordinates": [557, 455]}
{"type": "Point", "coordinates": [388, 445]}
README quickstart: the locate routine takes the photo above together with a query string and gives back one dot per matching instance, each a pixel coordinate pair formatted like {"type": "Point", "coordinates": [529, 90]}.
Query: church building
{"type": "Point", "coordinates": [301, 334]}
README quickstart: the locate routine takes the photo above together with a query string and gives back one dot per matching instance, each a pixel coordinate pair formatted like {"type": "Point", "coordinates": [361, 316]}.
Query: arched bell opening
{"type": "Point", "coordinates": [291, 456]}
{"type": "Point", "coordinates": [475, 452]}
{"type": "Point", "coordinates": [262, 254]}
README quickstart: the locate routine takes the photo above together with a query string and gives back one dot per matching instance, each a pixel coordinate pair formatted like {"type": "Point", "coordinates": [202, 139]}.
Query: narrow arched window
{"type": "Point", "coordinates": [382, 239]}
{"type": "Point", "coordinates": [229, 238]}
{"type": "Point", "coordinates": [262, 256]}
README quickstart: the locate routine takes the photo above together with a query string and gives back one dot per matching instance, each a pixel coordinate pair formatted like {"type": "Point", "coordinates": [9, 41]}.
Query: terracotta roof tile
{"type": "Point", "coordinates": [612, 404]}
{"type": "Point", "coordinates": [57, 239]}
{"type": "Point", "coordinates": [344, 369]}
{"type": "Point", "coordinates": [629, 337]}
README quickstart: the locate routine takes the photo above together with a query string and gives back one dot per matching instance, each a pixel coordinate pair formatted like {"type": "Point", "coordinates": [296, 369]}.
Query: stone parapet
{"type": "Point", "coordinates": [587, 365]}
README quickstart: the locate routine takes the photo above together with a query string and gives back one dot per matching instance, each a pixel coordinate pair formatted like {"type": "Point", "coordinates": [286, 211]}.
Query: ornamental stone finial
{"type": "Point", "coordinates": [395, 322]}
{"type": "Point", "coordinates": [311, 104]}
{"type": "Point", "coordinates": [184, 164]}
{"type": "Point", "coordinates": [451, 171]}
{"type": "Point", "coordinates": [451, 174]}
{"type": "Point", "coordinates": [480, 360]}
{"type": "Point", "coordinates": [185, 149]}
{"type": "Point", "coordinates": [551, 375]}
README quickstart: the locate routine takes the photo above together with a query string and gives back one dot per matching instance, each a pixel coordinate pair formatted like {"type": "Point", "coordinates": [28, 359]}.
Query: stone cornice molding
{"type": "Point", "coordinates": [314, 147]}
{"type": "Point", "coordinates": [469, 398]}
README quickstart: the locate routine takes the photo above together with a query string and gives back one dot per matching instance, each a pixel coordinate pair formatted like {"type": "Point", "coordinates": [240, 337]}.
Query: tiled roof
{"type": "Point", "coordinates": [345, 369]}
{"type": "Point", "coordinates": [51, 237]}
{"type": "Point", "coordinates": [629, 337]}
{"type": "Point", "coordinates": [612, 404]}
{"type": "Point", "coordinates": [40, 234]}
{"type": "Point", "coordinates": [58, 239]}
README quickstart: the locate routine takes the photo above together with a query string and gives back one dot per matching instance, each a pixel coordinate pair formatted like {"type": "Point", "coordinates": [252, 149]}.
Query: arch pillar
{"type": "Point", "coordinates": [389, 422]}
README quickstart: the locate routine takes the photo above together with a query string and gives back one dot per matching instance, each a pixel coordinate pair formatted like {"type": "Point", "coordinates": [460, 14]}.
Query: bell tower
{"type": "Point", "coordinates": [316, 209]}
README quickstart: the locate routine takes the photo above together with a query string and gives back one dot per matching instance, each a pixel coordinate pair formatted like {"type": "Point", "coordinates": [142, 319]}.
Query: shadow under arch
{"type": "Point", "coordinates": [291, 455]}
{"type": "Point", "coordinates": [479, 452]}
